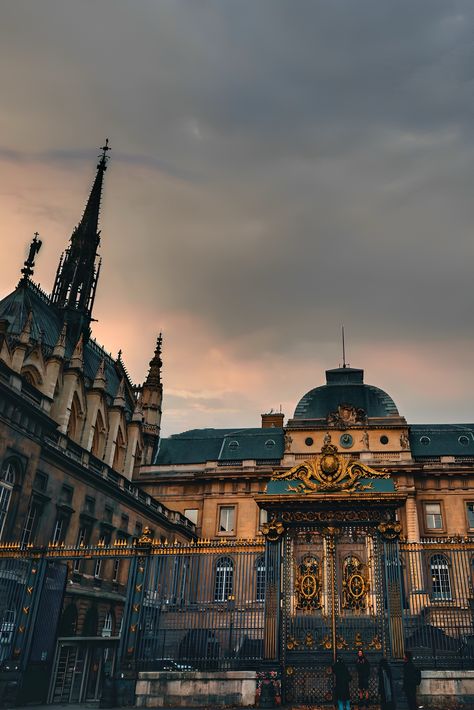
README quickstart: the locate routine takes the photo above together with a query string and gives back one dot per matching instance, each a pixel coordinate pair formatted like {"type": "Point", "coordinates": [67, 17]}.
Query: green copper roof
{"type": "Point", "coordinates": [345, 385]}
{"type": "Point", "coordinates": [225, 445]}
{"type": "Point", "coordinates": [442, 440]}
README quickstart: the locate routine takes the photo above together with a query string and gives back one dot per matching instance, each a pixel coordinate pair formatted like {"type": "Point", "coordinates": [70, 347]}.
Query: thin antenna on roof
{"type": "Point", "coordinates": [344, 363]}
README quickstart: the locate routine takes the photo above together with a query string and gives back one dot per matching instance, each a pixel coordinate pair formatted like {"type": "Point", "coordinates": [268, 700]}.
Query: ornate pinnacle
{"type": "Point", "coordinates": [119, 400]}
{"type": "Point", "coordinates": [60, 347]}
{"type": "Point", "coordinates": [77, 356]}
{"type": "Point", "coordinates": [154, 373]}
{"type": "Point", "coordinates": [100, 378]}
{"type": "Point", "coordinates": [26, 332]}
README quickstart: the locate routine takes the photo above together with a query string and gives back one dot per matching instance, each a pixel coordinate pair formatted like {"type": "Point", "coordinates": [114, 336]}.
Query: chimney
{"type": "Point", "coordinates": [272, 419]}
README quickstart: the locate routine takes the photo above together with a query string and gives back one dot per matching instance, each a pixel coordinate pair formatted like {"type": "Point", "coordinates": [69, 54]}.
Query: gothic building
{"type": "Point", "coordinates": [73, 430]}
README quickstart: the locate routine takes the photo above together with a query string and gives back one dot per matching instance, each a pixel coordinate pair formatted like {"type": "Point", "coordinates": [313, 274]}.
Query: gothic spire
{"type": "Point", "coordinates": [154, 373]}
{"type": "Point", "coordinates": [76, 279]}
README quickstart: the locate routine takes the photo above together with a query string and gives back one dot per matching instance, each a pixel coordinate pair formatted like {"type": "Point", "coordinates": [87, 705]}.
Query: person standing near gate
{"type": "Point", "coordinates": [411, 680]}
{"type": "Point", "coordinates": [341, 687]}
{"type": "Point", "coordinates": [387, 697]}
{"type": "Point", "coordinates": [363, 675]}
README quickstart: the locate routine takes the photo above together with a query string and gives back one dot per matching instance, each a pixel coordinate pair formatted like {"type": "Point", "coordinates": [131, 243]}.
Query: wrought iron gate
{"type": "Point", "coordinates": [334, 602]}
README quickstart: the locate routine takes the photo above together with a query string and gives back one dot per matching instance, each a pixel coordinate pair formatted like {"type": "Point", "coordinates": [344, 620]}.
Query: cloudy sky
{"type": "Point", "coordinates": [279, 168]}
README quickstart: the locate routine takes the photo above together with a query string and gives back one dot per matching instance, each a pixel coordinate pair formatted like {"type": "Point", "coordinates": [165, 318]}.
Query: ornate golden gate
{"type": "Point", "coordinates": [338, 590]}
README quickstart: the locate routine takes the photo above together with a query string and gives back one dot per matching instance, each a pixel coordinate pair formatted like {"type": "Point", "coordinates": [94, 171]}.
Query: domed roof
{"type": "Point", "coordinates": [345, 385]}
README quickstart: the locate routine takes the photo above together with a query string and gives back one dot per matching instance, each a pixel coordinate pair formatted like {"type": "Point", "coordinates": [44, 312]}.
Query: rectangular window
{"type": "Point", "coordinates": [97, 568]}
{"type": "Point", "coordinates": [30, 523]}
{"type": "Point", "coordinates": [226, 519]}
{"type": "Point", "coordinates": [66, 494]}
{"type": "Point", "coordinates": [41, 481]}
{"type": "Point", "coordinates": [116, 570]}
{"type": "Point", "coordinates": [81, 540]}
{"type": "Point", "coordinates": [89, 505]}
{"type": "Point", "coordinates": [433, 517]}
{"type": "Point", "coordinates": [192, 515]}
{"type": "Point", "coordinates": [262, 517]}
{"type": "Point", "coordinates": [57, 531]}
{"type": "Point", "coordinates": [470, 515]}
{"type": "Point", "coordinates": [108, 513]}
{"type": "Point", "coordinates": [98, 563]}
{"type": "Point", "coordinates": [124, 523]}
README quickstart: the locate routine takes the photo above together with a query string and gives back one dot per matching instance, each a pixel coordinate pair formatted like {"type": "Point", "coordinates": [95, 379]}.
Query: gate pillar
{"type": "Point", "coordinates": [393, 584]}
{"type": "Point", "coordinates": [132, 618]}
{"type": "Point", "coordinates": [273, 531]}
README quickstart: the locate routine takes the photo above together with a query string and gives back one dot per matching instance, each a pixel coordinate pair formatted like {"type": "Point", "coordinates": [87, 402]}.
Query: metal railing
{"type": "Point", "coordinates": [438, 602]}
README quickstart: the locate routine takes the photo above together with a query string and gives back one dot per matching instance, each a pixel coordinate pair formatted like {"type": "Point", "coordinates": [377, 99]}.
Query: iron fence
{"type": "Point", "coordinates": [438, 602]}
{"type": "Point", "coordinates": [216, 604]}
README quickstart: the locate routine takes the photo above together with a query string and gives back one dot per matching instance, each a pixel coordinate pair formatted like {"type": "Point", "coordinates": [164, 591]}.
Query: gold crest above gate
{"type": "Point", "coordinates": [328, 473]}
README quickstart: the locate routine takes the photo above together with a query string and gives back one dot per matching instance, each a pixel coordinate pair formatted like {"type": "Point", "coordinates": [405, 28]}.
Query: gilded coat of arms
{"type": "Point", "coordinates": [329, 473]}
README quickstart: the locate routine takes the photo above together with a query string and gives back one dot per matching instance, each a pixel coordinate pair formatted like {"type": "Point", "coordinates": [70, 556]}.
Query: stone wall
{"type": "Point", "coordinates": [446, 689]}
{"type": "Point", "coordinates": [195, 689]}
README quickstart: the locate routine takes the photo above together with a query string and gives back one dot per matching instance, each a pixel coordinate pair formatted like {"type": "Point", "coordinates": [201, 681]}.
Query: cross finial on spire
{"type": "Point", "coordinates": [103, 157]}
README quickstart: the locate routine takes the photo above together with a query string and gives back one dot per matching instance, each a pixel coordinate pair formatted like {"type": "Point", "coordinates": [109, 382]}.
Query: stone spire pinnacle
{"type": "Point", "coordinates": [60, 347]}
{"type": "Point", "coordinates": [100, 379]}
{"type": "Point", "coordinates": [154, 373]}
{"type": "Point", "coordinates": [76, 278]}
{"type": "Point", "coordinates": [77, 357]}
{"type": "Point", "coordinates": [119, 400]}
{"type": "Point", "coordinates": [25, 334]}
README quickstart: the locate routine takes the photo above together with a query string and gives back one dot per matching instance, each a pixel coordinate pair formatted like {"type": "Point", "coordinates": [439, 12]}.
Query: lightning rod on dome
{"type": "Point", "coordinates": [344, 363]}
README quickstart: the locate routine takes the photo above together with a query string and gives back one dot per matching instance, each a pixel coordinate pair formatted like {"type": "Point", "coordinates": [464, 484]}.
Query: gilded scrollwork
{"type": "Point", "coordinates": [274, 529]}
{"type": "Point", "coordinates": [308, 584]}
{"type": "Point", "coordinates": [390, 530]}
{"type": "Point", "coordinates": [355, 584]}
{"type": "Point", "coordinates": [329, 472]}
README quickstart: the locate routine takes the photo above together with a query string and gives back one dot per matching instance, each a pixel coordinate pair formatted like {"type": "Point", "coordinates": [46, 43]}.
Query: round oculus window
{"type": "Point", "coordinates": [309, 441]}
{"type": "Point", "coordinates": [269, 443]}
{"type": "Point", "coordinates": [384, 439]}
{"type": "Point", "coordinates": [425, 440]}
{"type": "Point", "coordinates": [233, 444]}
{"type": "Point", "coordinates": [464, 440]}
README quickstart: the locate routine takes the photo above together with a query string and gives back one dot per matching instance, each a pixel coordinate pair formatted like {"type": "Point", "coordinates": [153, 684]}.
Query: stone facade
{"type": "Point", "coordinates": [439, 487]}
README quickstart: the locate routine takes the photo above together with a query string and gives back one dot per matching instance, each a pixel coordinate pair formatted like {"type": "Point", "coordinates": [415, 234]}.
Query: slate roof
{"type": "Point", "coordinates": [46, 325]}
{"type": "Point", "coordinates": [442, 440]}
{"type": "Point", "coordinates": [345, 385]}
{"type": "Point", "coordinates": [224, 445]}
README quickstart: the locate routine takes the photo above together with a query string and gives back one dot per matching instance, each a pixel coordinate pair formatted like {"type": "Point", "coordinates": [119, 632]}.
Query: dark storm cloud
{"type": "Point", "coordinates": [282, 166]}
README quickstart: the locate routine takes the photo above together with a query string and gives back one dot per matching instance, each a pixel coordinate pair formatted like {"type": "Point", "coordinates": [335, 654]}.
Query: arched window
{"type": "Point", "coordinates": [224, 583]}
{"type": "Point", "coordinates": [260, 575]}
{"type": "Point", "coordinates": [108, 626]}
{"type": "Point", "coordinates": [440, 581]}
{"type": "Point", "coordinates": [8, 479]}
